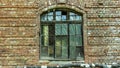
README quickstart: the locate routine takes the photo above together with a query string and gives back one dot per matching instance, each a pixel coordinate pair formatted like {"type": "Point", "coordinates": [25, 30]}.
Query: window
{"type": "Point", "coordinates": [61, 35]}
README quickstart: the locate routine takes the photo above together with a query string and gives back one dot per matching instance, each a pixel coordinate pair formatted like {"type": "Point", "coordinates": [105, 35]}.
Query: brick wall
{"type": "Point", "coordinates": [18, 42]}
{"type": "Point", "coordinates": [103, 30]}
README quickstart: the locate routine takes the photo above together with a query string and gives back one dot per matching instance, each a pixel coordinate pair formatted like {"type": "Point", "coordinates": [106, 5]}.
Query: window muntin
{"type": "Point", "coordinates": [61, 35]}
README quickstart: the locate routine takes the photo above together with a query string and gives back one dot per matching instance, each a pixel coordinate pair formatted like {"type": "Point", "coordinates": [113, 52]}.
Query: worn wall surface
{"type": "Point", "coordinates": [103, 31]}
{"type": "Point", "coordinates": [20, 24]}
{"type": "Point", "coordinates": [18, 33]}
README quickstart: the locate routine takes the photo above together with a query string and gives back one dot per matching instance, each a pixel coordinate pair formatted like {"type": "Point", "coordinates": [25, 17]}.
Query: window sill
{"type": "Point", "coordinates": [61, 62]}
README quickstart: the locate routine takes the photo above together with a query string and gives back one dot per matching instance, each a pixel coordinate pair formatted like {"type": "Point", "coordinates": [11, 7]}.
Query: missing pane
{"type": "Point", "coordinates": [64, 13]}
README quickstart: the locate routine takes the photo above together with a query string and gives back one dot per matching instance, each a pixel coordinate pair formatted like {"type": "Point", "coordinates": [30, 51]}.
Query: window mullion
{"type": "Point", "coordinates": [68, 41]}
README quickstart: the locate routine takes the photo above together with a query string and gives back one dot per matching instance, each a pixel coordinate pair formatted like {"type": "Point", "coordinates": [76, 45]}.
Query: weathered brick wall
{"type": "Point", "coordinates": [103, 32]}
{"type": "Point", "coordinates": [19, 30]}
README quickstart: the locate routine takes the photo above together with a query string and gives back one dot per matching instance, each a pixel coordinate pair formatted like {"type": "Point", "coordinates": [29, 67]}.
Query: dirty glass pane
{"type": "Point", "coordinates": [57, 29]}
{"type": "Point", "coordinates": [45, 50]}
{"type": "Point", "coordinates": [71, 13]}
{"type": "Point", "coordinates": [51, 51]}
{"type": "Point", "coordinates": [64, 29]}
{"type": "Point", "coordinates": [58, 18]}
{"type": "Point", "coordinates": [78, 29]}
{"type": "Point", "coordinates": [61, 47]}
{"type": "Point", "coordinates": [64, 47]}
{"type": "Point", "coordinates": [64, 17]}
{"type": "Point", "coordinates": [72, 46]}
{"type": "Point", "coordinates": [45, 36]}
{"type": "Point", "coordinates": [58, 47]}
{"type": "Point", "coordinates": [58, 13]}
{"type": "Point", "coordinates": [44, 17]}
{"type": "Point", "coordinates": [78, 40]}
{"type": "Point", "coordinates": [45, 42]}
{"type": "Point", "coordinates": [50, 13]}
{"type": "Point", "coordinates": [45, 30]}
{"type": "Point", "coordinates": [78, 17]}
{"type": "Point", "coordinates": [72, 29]}
{"type": "Point", "coordinates": [61, 29]}
{"type": "Point", "coordinates": [72, 17]}
{"type": "Point", "coordinates": [50, 18]}
{"type": "Point", "coordinates": [72, 52]}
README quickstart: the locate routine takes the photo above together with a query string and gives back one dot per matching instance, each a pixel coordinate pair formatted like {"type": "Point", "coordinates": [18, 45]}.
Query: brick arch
{"type": "Point", "coordinates": [66, 6]}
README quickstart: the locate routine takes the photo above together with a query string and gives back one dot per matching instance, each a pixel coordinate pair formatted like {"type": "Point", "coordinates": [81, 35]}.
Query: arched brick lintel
{"type": "Point", "coordinates": [66, 6]}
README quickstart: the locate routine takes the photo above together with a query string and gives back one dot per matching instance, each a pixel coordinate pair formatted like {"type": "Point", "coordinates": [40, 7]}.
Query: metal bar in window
{"type": "Point", "coordinates": [68, 42]}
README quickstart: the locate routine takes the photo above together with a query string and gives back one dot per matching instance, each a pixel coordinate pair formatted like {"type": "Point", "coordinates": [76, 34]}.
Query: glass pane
{"type": "Point", "coordinates": [64, 18]}
{"type": "Point", "coordinates": [72, 29]}
{"type": "Point", "coordinates": [58, 47]}
{"type": "Point", "coordinates": [45, 40]}
{"type": "Point", "coordinates": [72, 40]}
{"type": "Point", "coordinates": [45, 30]}
{"type": "Point", "coordinates": [72, 52]}
{"type": "Point", "coordinates": [64, 29]}
{"type": "Point", "coordinates": [50, 13]}
{"type": "Point", "coordinates": [78, 29]}
{"type": "Point", "coordinates": [64, 47]}
{"type": "Point", "coordinates": [71, 13]}
{"type": "Point", "coordinates": [44, 51]}
{"type": "Point", "coordinates": [58, 13]}
{"type": "Point", "coordinates": [78, 17]}
{"type": "Point", "coordinates": [44, 17]}
{"type": "Point", "coordinates": [58, 18]}
{"type": "Point", "coordinates": [72, 46]}
{"type": "Point", "coordinates": [51, 51]}
{"type": "Point", "coordinates": [57, 29]}
{"type": "Point", "coordinates": [72, 17]}
{"type": "Point", "coordinates": [50, 18]}
{"type": "Point", "coordinates": [44, 36]}
{"type": "Point", "coordinates": [61, 47]}
{"type": "Point", "coordinates": [78, 40]}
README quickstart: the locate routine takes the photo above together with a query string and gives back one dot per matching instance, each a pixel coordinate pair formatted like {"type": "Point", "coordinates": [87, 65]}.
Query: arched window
{"type": "Point", "coordinates": [61, 35]}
